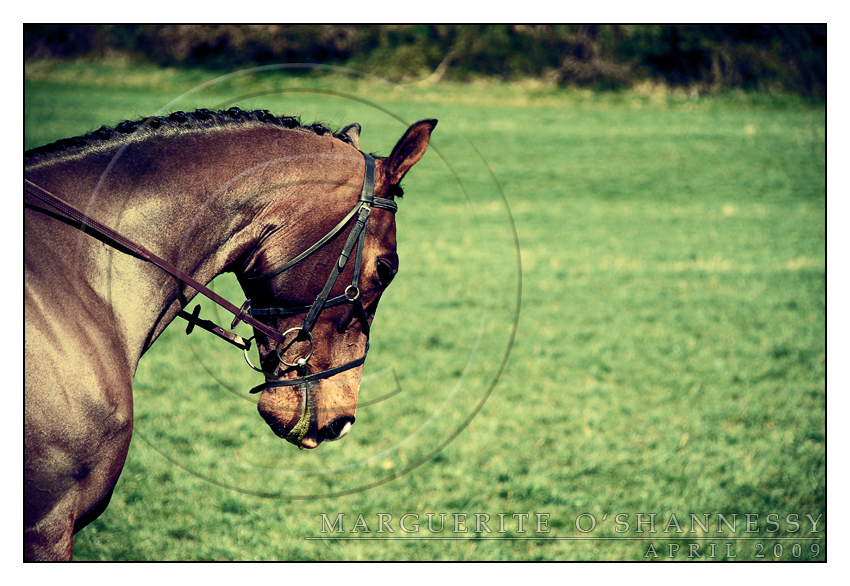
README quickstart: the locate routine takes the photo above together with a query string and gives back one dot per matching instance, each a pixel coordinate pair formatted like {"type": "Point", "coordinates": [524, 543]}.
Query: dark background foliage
{"type": "Point", "coordinates": [779, 58]}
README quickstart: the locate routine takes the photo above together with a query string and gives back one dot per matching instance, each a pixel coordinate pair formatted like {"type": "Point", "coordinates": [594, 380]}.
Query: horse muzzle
{"type": "Point", "coordinates": [301, 416]}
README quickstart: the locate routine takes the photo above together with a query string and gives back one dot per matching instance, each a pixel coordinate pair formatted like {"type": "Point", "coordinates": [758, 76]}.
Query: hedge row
{"type": "Point", "coordinates": [789, 58]}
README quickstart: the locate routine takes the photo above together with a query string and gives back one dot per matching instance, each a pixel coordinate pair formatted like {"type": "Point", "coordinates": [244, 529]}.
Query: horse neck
{"type": "Point", "coordinates": [200, 202]}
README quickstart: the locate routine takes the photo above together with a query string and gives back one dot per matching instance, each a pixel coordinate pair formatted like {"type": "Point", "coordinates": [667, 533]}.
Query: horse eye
{"type": "Point", "coordinates": [385, 272]}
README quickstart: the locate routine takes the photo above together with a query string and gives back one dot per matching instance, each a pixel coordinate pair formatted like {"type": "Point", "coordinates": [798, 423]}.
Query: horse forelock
{"type": "Point", "coordinates": [178, 121]}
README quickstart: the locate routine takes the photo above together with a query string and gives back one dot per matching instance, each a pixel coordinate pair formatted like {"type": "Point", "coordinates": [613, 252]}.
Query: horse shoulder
{"type": "Point", "coordinates": [78, 396]}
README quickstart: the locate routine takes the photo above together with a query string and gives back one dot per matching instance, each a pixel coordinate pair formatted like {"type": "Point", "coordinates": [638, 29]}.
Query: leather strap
{"type": "Point", "coordinates": [213, 328]}
{"type": "Point", "coordinates": [324, 240]}
{"type": "Point", "coordinates": [366, 195]}
{"type": "Point", "coordinates": [313, 377]}
{"type": "Point", "coordinates": [319, 303]}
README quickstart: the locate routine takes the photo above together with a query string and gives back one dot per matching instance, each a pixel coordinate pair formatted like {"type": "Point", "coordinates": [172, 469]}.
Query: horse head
{"type": "Point", "coordinates": [323, 300]}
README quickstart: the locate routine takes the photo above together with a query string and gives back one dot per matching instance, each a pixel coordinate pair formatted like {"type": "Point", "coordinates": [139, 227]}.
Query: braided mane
{"type": "Point", "coordinates": [198, 119]}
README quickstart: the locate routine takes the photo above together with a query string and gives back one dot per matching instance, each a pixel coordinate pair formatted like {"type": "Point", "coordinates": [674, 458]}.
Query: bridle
{"type": "Point", "coordinates": [246, 313]}
{"type": "Point", "coordinates": [356, 238]}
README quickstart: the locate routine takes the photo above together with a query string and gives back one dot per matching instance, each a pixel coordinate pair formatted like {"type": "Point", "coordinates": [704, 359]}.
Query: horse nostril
{"type": "Point", "coordinates": [338, 428]}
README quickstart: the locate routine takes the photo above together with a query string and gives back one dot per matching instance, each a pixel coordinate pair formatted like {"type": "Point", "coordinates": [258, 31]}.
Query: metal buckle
{"type": "Point", "coordinates": [356, 296]}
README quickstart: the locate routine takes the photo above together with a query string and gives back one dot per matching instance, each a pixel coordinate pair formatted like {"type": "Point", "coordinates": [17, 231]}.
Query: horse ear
{"type": "Point", "coordinates": [352, 131]}
{"type": "Point", "coordinates": [409, 150]}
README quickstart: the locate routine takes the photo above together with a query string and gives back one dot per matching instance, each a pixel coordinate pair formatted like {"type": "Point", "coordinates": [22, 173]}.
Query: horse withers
{"type": "Point", "coordinates": [124, 226]}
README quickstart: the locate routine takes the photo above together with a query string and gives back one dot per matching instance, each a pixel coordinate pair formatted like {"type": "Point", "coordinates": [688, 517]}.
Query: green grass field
{"type": "Point", "coordinates": [669, 356]}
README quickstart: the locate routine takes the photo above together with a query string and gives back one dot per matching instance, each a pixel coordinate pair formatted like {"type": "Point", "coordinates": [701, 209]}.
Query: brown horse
{"type": "Point", "coordinates": [236, 191]}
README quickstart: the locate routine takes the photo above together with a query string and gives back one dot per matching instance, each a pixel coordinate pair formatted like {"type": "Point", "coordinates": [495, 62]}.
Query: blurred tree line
{"type": "Point", "coordinates": [787, 58]}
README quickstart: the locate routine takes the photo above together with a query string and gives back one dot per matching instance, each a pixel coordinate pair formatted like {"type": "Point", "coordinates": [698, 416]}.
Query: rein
{"type": "Point", "coordinates": [119, 241]}
{"type": "Point", "coordinates": [245, 313]}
